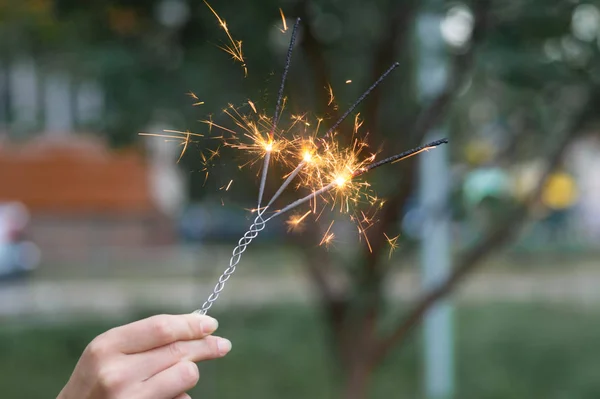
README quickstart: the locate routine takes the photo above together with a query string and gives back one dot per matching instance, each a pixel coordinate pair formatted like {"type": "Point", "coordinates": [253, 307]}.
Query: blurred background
{"type": "Point", "coordinates": [492, 291]}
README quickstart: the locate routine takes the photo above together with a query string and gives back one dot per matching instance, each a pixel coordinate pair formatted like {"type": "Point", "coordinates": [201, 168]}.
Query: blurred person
{"type": "Point", "coordinates": [152, 358]}
{"type": "Point", "coordinates": [486, 191]}
{"type": "Point", "coordinates": [559, 196]}
{"type": "Point", "coordinates": [485, 188]}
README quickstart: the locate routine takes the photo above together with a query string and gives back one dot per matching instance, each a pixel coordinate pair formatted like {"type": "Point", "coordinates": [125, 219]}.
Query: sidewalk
{"type": "Point", "coordinates": [114, 297]}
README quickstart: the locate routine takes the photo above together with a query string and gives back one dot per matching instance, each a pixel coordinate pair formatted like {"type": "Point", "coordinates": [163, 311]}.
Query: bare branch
{"type": "Point", "coordinates": [428, 118]}
{"type": "Point", "coordinates": [493, 240]}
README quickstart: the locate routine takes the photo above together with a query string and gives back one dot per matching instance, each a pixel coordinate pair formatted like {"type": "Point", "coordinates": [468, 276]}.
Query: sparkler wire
{"type": "Point", "coordinates": [256, 227]}
{"type": "Point", "coordinates": [286, 183]}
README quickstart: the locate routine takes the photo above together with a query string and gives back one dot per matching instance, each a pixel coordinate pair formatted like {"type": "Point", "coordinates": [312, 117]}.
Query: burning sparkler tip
{"type": "Point", "coordinates": [340, 181]}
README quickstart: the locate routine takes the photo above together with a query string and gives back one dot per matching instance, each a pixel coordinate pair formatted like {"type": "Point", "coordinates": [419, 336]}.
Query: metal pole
{"type": "Point", "coordinates": [436, 236]}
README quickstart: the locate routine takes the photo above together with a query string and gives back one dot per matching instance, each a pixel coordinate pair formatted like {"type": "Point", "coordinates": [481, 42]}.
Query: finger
{"type": "Point", "coordinates": [161, 330]}
{"type": "Point", "coordinates": [183, 396]}
{"type": "Point", "coordinates": [171, 382]}
{"type": "Point", "coordinates": [148, 364]}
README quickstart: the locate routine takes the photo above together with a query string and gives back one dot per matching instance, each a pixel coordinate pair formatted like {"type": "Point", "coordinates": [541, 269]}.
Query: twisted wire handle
{"type": "Point", "coordinates": [256, 227]}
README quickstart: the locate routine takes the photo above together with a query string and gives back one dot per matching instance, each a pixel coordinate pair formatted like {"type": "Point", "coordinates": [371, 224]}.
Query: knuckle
{"type": "Point", "coordinates": [110, 380]}
{"type": "Point", "coordinates": [97, 349]}
{"type": "Point", "coordinates": [176, 350]}
{"type": "Point", "coordinates": [162, 328]}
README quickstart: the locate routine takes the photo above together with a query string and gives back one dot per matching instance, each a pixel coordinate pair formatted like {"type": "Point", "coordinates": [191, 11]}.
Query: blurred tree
{"type": "Point", "coordinates": [524, 81]}
{"type": "Point", "coordinates": [525, 78]}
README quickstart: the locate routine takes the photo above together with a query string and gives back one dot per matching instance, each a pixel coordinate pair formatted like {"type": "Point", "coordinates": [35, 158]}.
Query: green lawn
{"type": "Point", "coordinates": [503, 352]}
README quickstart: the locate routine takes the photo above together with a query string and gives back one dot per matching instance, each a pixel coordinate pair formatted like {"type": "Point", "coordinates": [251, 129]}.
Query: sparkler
{"type": "Point", "coordinates": [331, 173]}
{"type": "Point", "coordinates": [339, 182]}
{"type": "Point", "coordinates": [276, 116]}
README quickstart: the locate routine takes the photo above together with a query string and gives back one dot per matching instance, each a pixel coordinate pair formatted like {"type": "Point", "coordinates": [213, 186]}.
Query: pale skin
{"type": "Point", "coordinates": [154, 358]}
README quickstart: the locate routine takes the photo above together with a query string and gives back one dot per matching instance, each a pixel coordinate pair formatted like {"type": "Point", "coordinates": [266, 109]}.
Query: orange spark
{"type": "Point", "coordinates": [185, 146]}
{"type": "Point", "coordinates": [294, 221]}
{"type": "Point", "coordinates": [412, 155]}
{"type": "Point", "coordinates": [285, 28]}
{"type": "Point", "coordinates": [252, 106]}
{"type": "Point", "coordinates": [183, 137]}
{"type": "Point", "coordinates": [331, 96]}
{"type": "Point", "coordinates": [195, 97]}
{"type": "Point", "coordinates": [328, 237]}
{"type": "Point", "coordinates": [393, 243]}
{"type": "Point", "coordinates": [235, 48]}
{"type": "Point", "coordinates": [362, 226]}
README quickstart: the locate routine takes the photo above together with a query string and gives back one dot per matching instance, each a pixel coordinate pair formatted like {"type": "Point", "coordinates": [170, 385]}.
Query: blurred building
{"type": "Point", "coordinates": [82, 195]}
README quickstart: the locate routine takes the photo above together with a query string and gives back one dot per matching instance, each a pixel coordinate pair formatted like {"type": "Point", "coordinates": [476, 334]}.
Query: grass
{"type": "Point", "coordinates": [502, 351]}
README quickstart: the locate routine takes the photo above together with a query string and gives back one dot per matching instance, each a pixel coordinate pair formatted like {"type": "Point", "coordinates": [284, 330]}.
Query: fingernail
{"type": "Point", "coordinates": [209, 325]}
{"type": "Point", "coordinates": [224, 346]}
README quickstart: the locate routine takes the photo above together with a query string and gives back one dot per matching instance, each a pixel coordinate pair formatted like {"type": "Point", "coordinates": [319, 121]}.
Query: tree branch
{"type": "Point", "coordinates": [366, 309]}
{"type": "Point", "coordinates": [428, 118]}
{"type": "Point", "coordinates": [496, 238]}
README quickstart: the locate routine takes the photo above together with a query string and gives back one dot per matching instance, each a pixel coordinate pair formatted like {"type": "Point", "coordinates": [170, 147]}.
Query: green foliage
{"type": "Point", "coordinates": [502, 351]}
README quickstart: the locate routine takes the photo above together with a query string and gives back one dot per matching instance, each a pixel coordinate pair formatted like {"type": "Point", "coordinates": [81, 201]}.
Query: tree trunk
{"type": "Point", "coordinates": [357, 383]}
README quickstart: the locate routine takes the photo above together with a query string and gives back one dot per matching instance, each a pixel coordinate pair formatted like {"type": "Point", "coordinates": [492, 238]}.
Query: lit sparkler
{"type": "Point", "coordinates": [277, 113]}
{"type": "Point", "coordinates": [332, 174]}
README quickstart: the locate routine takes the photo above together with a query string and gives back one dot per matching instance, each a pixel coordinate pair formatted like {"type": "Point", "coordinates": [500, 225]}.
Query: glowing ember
{"type": "Point", "coordinates": [340, 181]}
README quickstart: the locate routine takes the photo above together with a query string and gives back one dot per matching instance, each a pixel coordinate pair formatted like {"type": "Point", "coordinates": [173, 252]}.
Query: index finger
{"type": "Point", "coordinates": [156, 331]}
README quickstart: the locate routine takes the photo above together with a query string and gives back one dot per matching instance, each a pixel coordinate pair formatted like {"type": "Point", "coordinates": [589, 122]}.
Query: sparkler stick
{"type": "Point", "coordinates": [361, 98]}
{"type": "Point", "coordinates": [286, 68]}
{"type": "Point", "coordinates": [286, 183]}
{"type": "Point", "coordinates": [304, 200]}
{"type": "Point", "coordinates": [259, 223]}
{"type": "Point", "coordinates": [360, 172]}
{"type": "Point", "coordinates": [401, 156]}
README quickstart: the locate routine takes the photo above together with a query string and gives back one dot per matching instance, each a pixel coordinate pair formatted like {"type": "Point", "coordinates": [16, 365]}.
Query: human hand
{"type": "Point", "coordinates": [152, 358]}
